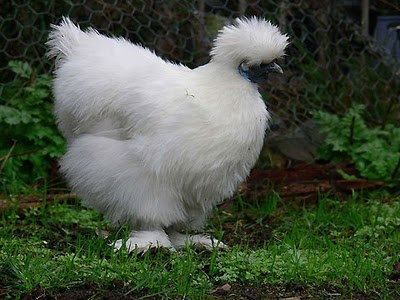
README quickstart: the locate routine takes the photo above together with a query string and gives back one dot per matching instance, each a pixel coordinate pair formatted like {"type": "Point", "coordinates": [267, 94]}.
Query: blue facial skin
{"type": "Point", "coordinates": [259, 74]}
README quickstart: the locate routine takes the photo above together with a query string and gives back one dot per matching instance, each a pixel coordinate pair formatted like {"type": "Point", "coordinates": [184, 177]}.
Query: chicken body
{"type": "Point", "coordinates": [150, 143]}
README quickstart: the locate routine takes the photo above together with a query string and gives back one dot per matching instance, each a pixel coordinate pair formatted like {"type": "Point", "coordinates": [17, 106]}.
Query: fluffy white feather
{"type": "Point", "coordinates": [155, 144]}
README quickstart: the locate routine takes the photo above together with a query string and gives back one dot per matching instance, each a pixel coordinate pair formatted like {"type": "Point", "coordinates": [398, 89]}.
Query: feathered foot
{"type": "Point", "coordinates": [180, 240]}
{"type": "Point", "coordinates": [142, 241]}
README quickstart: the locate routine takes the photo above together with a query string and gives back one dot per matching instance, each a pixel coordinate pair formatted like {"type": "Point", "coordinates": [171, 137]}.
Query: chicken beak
{"type": "Point", "coordinates": [274, 68]}
{"type": "Point", "coordinates": [259, 73]}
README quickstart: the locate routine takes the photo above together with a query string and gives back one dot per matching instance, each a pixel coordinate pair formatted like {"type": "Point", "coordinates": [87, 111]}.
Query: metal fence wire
{"type": "Point", "coordinates": [330, 65]}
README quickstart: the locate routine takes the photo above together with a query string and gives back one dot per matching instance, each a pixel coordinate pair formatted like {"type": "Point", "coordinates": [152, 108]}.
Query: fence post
{"type": "Point", "coordinates": [365, 17]}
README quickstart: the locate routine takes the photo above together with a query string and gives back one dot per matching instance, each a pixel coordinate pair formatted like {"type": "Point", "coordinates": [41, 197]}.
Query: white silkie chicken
{"type": "Point", "coordinates": [155, 144]}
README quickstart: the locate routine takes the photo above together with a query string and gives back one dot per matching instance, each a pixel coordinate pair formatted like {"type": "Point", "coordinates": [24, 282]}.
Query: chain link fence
{"type": "Point", "coordinates": [330, 65]}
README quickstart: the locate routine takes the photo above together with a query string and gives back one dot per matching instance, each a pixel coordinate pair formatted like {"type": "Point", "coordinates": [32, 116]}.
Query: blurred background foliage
{"type": "Point", "coordinates": [331, 68]}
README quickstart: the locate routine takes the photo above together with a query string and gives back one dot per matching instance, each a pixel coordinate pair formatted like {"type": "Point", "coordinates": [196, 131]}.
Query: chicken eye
{"type": "Point", "coordinates": [244, 66]}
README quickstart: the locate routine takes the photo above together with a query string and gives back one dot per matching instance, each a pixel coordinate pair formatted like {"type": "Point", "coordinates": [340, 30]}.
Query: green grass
{"type": "Point", "coordinates": [349, 246]}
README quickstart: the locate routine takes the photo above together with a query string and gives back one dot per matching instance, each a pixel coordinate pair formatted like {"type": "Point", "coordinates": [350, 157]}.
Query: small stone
{"type": "Point", "coordinates": [226, 287]}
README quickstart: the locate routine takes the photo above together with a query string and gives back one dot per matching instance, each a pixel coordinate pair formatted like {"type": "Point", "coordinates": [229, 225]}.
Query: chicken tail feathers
{"type": "Point", "coordinates": [62, 39]}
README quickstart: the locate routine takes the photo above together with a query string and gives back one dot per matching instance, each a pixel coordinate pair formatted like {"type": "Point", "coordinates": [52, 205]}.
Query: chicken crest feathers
{"type": "Point", "coordinates": [252, 39]}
